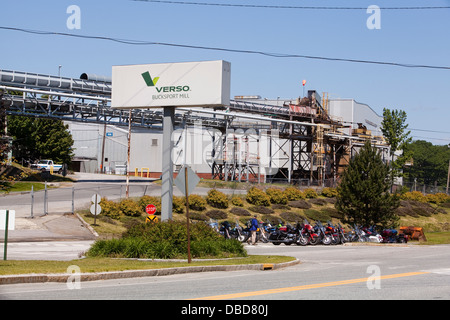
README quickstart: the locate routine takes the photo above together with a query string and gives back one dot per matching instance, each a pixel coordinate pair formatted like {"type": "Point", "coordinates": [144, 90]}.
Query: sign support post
{"type": "Point", "coordinates": [167, 164]}
{"type": "Point", "coordinates": [187, 213]}
{"type": "Point", "coordinates": [5, 250]}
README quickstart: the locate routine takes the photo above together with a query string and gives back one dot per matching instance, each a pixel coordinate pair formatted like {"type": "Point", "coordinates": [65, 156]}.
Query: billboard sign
{"type": "Point", "coordinates": [195, 84]}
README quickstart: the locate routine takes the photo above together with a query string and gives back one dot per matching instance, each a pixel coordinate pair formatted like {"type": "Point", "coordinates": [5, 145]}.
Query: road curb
{"type": "Point", "coordinates": [95, 276]}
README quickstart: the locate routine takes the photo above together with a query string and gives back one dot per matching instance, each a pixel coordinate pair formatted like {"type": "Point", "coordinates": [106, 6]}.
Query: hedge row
{"type": "Point", "coordinates": [260, 199]}
{"type": "Point", "coordinates": [438, 198]}
{"type": "Point", "coordinates": [167, 240]}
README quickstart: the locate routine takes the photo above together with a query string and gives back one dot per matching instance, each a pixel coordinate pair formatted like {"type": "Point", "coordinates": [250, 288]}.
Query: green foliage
{"type": "Point", "coordinates": [277, 196]}
{"type": "Point", "coordinates": [257, 197]}
{"type": "Point", "coordinates": [414, 195]}
{"type": "Point", "coordinates": [329, 192]}
{"type": "Point", "coordinates": [217, 199]}
{"type": "Point", "coordinates": [197, 202]}
{"type": "Point", "coordinates": [310, 193]}
{"type": "Point", "coordinates": [292, 193]}
{"type": "Point", "coordinates": [394, 128]}
{"type": "Point", "coordinates": [110, 208]}
{"type": "Point", "coordinates": [167, 240]}
{"type": "Point", "coordinates": [437, 198]}
{"type": "Point", "coordinates": [429, 163]}
{"type": "Point", "coordinates": [40, 139]}
{"type": "Point", "coordinates": [363, 193]}
{"type": "Point", "coordinates": [130, 208]}
{"type": "Point", "coordinates": [178, 204]}
{"type": "Point", "coordinates": [144, 201]}
{"type": "Point", "coordinates": [237, 201]}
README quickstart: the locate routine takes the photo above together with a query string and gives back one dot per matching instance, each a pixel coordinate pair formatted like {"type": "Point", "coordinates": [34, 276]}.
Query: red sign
{"type": "Point", "coordinates": [150, 209]}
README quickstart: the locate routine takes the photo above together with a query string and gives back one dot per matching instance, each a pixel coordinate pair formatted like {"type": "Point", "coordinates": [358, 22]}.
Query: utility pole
{"type": "Point", "coordinates": [128, 159]}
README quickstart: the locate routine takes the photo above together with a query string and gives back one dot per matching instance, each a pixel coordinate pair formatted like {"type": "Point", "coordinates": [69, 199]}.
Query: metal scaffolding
{"type": "Point", "coordinates": [300, 140]}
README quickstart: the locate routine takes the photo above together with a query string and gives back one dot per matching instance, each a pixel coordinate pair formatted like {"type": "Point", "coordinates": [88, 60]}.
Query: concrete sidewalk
{"type": "Point", "coordinates": [55, 227]}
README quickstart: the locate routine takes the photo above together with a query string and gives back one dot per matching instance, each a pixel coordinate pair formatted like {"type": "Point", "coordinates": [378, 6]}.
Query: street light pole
{"type": "Point", "coordinates": [448, 177]}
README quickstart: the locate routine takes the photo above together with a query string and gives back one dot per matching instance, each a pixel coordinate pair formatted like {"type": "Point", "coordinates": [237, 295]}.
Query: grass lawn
{"type": "Point", "coordinates": [26, 186]}
{"type": "Point", "coordinates": [436, 238]}
{"type": "Point", "coordinates": [108, 264]}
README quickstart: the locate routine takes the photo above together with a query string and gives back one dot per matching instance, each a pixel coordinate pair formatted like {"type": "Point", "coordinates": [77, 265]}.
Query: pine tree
{"type": "Point", "coordinates": [363, 193]}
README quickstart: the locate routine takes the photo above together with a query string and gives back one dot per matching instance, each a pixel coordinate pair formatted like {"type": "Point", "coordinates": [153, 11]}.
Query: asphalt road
{"type": "Point", "coordinates": [326, 273]}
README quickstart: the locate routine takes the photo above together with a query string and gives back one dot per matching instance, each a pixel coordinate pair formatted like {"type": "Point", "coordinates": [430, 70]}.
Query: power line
{"type": "Point", "coordinates": [287, 7]}
{"type": "Point", "coordinates": [269, 54]}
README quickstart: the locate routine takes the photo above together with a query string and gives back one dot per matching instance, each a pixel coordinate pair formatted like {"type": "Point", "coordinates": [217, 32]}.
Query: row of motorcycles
{"type": "Point", "coordinates": [308, 234]}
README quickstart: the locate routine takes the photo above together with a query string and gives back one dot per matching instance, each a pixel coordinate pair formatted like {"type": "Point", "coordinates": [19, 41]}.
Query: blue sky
{"type": "Point", "coordinates": [406, 36]}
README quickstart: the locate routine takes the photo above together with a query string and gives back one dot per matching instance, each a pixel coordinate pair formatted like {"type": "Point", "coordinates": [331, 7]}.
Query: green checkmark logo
{"type": "Point", "coordinates": [148, 79]}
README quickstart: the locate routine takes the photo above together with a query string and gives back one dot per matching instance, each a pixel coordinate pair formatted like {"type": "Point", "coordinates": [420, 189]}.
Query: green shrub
{"type": "Point", "coordinates": [197, 202]}
{"type": "Point", "coordinates": [310, 193]}
{"type": "Point", "coordinates": [130, 208]}
{"type": "Point", "coordinates": [179, 204]}
{"type": "Point", "coordinates": [217, 199]}
{"type": "Point", "coordinates": [144, 201]}
{"type": "Point", "coordinates": [168, 240]}
{"type": "Point", "coordinates": [329, 192]}
{"type": "Point", "coordinates": [257, 197]}
{"type": "Point", "coordinates": [110, 209]}
{"type": "Point", "coordinates": [414, 195]}
{"type": "Point", "coordinates": [237, 201]}
{"type": "Point", "coordinates": [292, 193]}
{"type": "Point", "coordinates": [437, 198]}
{"type": "Point", "coordinates": [277, 196]}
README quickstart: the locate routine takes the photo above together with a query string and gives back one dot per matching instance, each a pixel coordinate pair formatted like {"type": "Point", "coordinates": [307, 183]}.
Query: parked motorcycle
{"type": "Point", "coordinates": [392, 236]}
{"type": "Point", "coordinates": [321, 231]}
{"type": "Point", "coordinates": [332, 232]}
{"type": "Point", "coordinates": [285, 234]}
{"type": "Point", "coordinates": [343, 237]}
{"type": "Point", "coordinates": [236, 232]}
{"type": "Point", "coordinates": [307, 235]}
{"type": "Point", "coordinates": [372, 235]}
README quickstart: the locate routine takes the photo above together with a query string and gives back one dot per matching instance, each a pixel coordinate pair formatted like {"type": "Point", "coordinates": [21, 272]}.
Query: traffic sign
{"type": "Point", "coordinates": [151, 219]}
{"type": "Point", "coordinates": [96, 198]}
{"type": "Point", "coordinates": [96, 209]}
{"type": "Point", "coordinates": [150, 209]}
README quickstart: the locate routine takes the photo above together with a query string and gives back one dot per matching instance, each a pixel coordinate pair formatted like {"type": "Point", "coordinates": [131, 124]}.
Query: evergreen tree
{"type": "Point", "coordinates": [363, 193]}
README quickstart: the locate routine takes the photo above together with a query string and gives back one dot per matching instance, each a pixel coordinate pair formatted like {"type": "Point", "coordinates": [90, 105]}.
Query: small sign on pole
{"type": "Point", "coordinates": [186, 181]}
{"type": "Point", "coordinates": [7, 222]}
{"type": "Point", "coordinates": [95, 208]}
{"type": "Point", "coordinates": [150, 209]}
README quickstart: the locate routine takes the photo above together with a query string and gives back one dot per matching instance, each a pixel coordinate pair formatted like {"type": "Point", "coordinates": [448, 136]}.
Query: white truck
{"type": "Point", "coordinates": [47, 165]}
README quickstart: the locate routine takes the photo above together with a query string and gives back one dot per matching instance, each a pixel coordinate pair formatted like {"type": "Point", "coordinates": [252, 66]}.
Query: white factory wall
{"type": "Point", "coordinates": [354, 112]}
